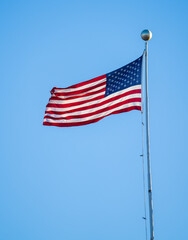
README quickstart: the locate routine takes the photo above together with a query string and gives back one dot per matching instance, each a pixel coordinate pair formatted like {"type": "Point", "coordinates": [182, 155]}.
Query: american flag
{"type": "Point", "coordinates": [88, 102]}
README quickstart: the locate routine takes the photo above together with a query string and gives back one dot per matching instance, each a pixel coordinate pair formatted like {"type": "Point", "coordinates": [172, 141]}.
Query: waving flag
{"type": "Point", "coordinates": [88, 102]}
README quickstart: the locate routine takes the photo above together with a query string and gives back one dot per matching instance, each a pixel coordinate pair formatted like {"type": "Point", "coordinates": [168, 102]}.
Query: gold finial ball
{"type": "Point", "coordinates": [146, 35]}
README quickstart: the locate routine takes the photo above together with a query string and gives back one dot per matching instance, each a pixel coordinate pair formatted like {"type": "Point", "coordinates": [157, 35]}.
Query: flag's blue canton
{"type": "Point", "coordinates": [127, 76]}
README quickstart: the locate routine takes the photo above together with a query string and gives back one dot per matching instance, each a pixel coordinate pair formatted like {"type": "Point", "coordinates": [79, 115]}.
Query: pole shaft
{"type": "Point", "coordinates": [148, 147]}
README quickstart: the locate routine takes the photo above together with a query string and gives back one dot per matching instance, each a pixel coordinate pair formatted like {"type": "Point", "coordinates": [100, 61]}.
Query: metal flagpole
{"type": "Point", "coordinates": [146, 36]}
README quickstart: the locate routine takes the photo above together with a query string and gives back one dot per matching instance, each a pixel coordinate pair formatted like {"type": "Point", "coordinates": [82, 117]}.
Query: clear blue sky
{"type": "Point", "coordinates": [85, 183]}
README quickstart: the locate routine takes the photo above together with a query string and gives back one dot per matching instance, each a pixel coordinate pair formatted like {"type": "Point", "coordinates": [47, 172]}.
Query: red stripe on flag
{"type": "Point", "coordinates": [90, 121]}
{"type": "Point", "coordinates": [83, 83]}
{"type": "Point", "coordinates": [94, 105]}
{"type": "Point", "coordinates": [98, 111]}
{"type": "Point", "coordinates": [85, 90]}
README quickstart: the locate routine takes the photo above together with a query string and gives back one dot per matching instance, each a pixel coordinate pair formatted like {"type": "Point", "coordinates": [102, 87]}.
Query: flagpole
{"type": "Point", "coordinates": [146, 36]}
